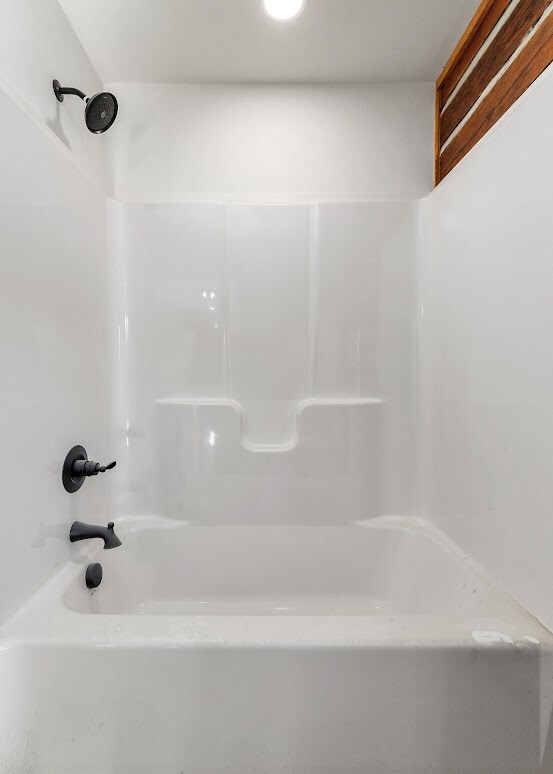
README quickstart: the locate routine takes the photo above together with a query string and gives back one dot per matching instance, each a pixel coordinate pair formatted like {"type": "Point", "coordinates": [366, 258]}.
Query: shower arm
{"type": "Point", "coordinates": [60, 91]}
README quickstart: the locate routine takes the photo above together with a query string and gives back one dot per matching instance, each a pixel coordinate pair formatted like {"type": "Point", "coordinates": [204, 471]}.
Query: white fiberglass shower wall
{"type": "Point", "coordinates": [267, 354]}
{"type": "Point", "coordinates": [267, 341]}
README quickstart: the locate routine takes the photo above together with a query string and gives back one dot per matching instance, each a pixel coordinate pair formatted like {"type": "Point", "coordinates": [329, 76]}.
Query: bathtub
{"type": "Point", "coordinates": [373, 647]}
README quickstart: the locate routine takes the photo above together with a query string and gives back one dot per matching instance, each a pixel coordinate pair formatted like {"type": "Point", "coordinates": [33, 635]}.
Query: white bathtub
{"type": "Point", "coordinates": [374, 647]}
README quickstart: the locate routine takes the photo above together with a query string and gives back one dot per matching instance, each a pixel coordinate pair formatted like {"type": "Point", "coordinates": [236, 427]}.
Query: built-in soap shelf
{"type": "Point", "coordinates": [329, 470]}
{"type": "Point", "coordinates": [301, 407]}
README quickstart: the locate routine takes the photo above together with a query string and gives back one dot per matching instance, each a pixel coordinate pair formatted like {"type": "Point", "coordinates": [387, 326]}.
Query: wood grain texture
{"type": "Point", "coordinates": [467, 36]}
{"type": "Point", "coordinates": [437, 143]}
{"type": "Point", "coordinates": [488, 18]}
{"type": "Point", "coordinates": [523, 18]}
{"type": "Point", "coordinates": [522, 72]}
{"type": "Point", "coordinates": [487, 12]}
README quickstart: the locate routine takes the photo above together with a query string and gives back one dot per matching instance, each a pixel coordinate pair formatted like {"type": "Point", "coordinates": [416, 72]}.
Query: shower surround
{"type": "Point", "coordinates": [266, 358]}
{"type": "Point", "coordinates": [275, 598]}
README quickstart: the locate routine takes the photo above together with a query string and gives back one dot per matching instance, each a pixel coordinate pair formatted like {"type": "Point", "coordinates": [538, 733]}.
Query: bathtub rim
{"type": "Point", "coordinates": [44, 618]}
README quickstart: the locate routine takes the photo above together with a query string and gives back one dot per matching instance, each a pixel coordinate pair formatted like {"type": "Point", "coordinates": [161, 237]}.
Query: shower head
{"type": "Point", "coordinates": [100, 111]}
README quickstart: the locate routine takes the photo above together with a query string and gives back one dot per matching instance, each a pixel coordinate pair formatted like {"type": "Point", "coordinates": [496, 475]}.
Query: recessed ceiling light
{"type": "Point", "coordinates": [284, 9]}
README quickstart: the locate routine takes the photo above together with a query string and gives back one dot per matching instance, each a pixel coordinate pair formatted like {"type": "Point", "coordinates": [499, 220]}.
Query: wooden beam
{"type": "Point", "coordinates": [523, 18]}
{"type": "Point", "coordinates": [489, 17]}
{"type": "Point", "coordinates": [449, 76]}
{"type": "Point", "coordinates": [469, 33]}
{"type": "Point", "coordinates": [437, 142]}
{"type": "Point", "coordinates": [522, 72]}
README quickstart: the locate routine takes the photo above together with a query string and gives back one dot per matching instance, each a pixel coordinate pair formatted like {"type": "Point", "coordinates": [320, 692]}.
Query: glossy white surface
{"type": "Point", "coordinates": [267, 258]}
{"type": "Point", "coordinates": [54, 389]}
{"type": "Point", "coordinates": [265, 143]}
{"type": "Point", "coordinates": [328, 470]}
{"type": "Point", "coordinates": [222, 40]}
{"type": "Point", "coordinates": [487, 340]}
{"type": "Point", "coordinates": [38, 44]}
{"type": "Point", "coordinates": [242, 303]}
{"type": "Point", "coordinates": [348, 570]}
{"type": "Point", "coordinates": [263, 710]}
{"type": "Point", "coordinates": [342, 585]}
{"type": "Point", "coordinates": [331, 684]}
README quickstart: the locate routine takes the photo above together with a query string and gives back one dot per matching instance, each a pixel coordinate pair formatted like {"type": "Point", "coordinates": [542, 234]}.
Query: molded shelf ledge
{"type": "Point", "coordinates": [301, 407]}
{"type": "Point", "coordinates": [329, 471]}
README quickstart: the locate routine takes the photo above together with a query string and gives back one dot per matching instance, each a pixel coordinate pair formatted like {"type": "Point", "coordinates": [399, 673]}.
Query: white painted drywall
{"type": "Point", "coordinates": [262, 142]}
{"type": "Point", "coordinates": [54, 385]}
{"type": "Point", "coordinates": [37, 44]}
{"type": "Point", "coordinates": [487, 358]}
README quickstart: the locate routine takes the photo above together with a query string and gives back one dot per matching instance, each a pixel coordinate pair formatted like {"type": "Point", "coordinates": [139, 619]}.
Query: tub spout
{"type": "Point", "coordinates": [81, 531]}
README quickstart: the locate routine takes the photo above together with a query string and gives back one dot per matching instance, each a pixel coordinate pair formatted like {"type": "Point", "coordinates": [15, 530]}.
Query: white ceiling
{"type": "Point", "coordinates": [234, 40]}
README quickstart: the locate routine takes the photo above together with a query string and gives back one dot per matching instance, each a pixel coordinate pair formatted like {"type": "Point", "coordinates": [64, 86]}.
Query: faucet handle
{"type": "Point", "coordinates": [89, 468]}
{"type": "Point", "coordinates": [77, 467]}
{"type": "Point", "coordinates": [102, 468]}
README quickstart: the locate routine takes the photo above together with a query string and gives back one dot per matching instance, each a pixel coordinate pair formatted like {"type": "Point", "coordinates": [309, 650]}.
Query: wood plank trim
{"type": "Point", "coordinates": [466, 38]}
{"type": "Point", "coordinates": [437, 143]}
{"type": "Point", "coordinates": [524, 17]}
{"type": "Point", "coordinates": [490, 13]}
{"type": "Point", "coordinates": [522, 72]}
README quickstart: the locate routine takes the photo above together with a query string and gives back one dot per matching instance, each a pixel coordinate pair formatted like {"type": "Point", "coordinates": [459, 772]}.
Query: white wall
{"type": "Point", "coordinates": [487, 364]}
{"type": "Point", "coordinates": [54, 388]}
{"type": "Point", "coordinates": [260, 142]}
{"type": "Point", "coordinates": [37, 44]}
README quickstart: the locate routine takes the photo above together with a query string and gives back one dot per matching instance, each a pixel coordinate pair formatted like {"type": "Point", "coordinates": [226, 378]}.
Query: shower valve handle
{"type": "Point", "coordinates": [77, 467]}
{"type": "Point", "coordinates": [89, 468]}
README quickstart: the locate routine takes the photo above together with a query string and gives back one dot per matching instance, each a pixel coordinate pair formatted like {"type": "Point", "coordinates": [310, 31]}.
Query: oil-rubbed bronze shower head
{"type": "Point", "coordinates": [100, 111]}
